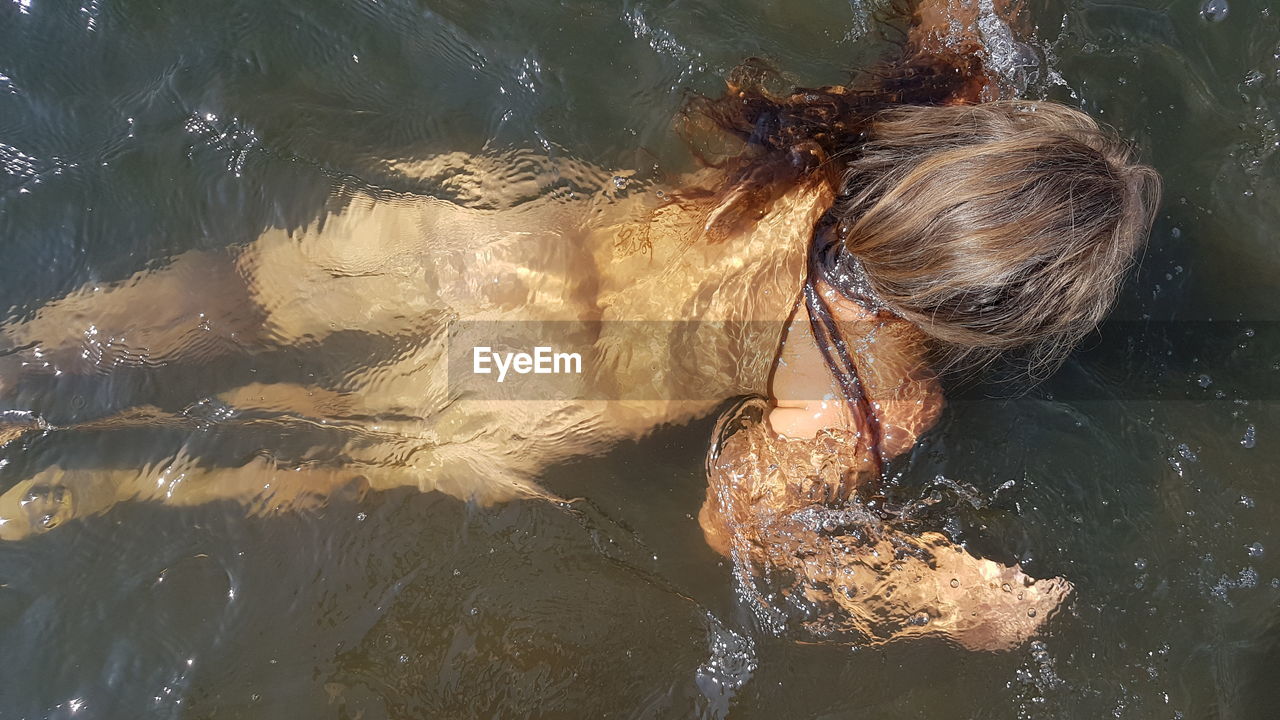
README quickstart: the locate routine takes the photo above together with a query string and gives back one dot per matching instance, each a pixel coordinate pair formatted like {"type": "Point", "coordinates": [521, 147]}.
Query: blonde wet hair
{"type": "Point", "coordinates": [996, 226]}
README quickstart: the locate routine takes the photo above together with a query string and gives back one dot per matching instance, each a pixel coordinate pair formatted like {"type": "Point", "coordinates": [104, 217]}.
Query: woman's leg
{"type": "Point", "coordinates": [197, 304]}
{"type": "Point", "coordinates": [55, 496]}
{"type": "Point", "coordinates": [481, 451]}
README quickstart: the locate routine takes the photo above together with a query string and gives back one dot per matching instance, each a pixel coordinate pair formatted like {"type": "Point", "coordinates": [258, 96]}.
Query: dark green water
{"type": "Point", "coordinates": [1145, 471]}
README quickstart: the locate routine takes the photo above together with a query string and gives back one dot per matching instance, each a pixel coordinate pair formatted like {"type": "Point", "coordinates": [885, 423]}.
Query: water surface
{"type": "Point", "coordinates": [133, 131]}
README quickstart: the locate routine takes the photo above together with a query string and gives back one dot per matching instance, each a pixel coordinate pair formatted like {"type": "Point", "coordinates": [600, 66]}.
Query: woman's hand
{"type": "Point", "coordinates": [951, 24]}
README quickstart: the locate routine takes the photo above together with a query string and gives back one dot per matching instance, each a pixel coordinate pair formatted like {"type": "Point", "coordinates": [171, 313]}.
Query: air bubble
{"type": "Point", "coordinates": [1250, 437]}
{"type": "Point", "coordinates": [955, 583]}
{"type": "Point", "coordinates": [1248, 578]}
{"type": "Point", "coordinates": [1215, 10]}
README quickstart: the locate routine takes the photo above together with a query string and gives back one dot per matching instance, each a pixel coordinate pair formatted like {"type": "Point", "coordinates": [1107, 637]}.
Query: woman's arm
{"type": "Point", "coordinates": [951, 25]}
{"type": "Point", "coordinates": [960, 35]}
{"type": "Point", "coordinates": [805, 553]}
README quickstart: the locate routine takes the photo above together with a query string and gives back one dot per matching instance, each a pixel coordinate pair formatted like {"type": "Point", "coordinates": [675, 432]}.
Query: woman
{"type": "Point", "coordinates": [962, 231]}
{"type": "Point", "coordinates": [864, 238]}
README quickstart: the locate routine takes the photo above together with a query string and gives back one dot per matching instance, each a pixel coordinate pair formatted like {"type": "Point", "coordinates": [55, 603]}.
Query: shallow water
{"type": "Point", "coordinates": [130, 132]}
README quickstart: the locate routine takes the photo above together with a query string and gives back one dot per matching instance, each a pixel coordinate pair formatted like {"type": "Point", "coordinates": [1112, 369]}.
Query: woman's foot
{"type": "Point", "coordinates": [14, 424]}
{"type": "Point", "coordinates": [32, 507]}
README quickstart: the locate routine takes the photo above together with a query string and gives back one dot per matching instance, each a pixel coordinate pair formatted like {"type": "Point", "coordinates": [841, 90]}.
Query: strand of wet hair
{"type": "Point", "coordinates": [827, 336]}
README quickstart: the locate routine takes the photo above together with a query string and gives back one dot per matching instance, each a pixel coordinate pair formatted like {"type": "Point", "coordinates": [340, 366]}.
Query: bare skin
{"type": "Point", "coordinates": [411, 271]}
{"type": "Point", "coordinates": [891, 362]}
{"type": "Point", "coordinates": [363, 270]}
{"type": "Point", "coordinates": [778, 504]}
{"type": "Point", "coordinates": [776, 489]}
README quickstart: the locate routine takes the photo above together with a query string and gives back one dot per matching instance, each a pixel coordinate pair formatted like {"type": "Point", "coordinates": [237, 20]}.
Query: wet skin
{"type": "Point", "coordinates": [408, 270]}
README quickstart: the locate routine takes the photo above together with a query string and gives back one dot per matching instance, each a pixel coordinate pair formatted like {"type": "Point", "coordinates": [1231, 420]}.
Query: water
{"type": "Point", "coordinates": [130, 132]}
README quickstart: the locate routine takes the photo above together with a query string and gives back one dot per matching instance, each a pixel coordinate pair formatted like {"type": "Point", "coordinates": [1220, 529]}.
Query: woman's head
{"type": "Point", "coordinates": [994, 227]}
{"type": "Point", "coordinates": [997, 226]}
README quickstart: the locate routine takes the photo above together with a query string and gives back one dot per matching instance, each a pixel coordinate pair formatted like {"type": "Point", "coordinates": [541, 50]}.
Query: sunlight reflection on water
{"type": "Point", "coordinates": [164, 133]}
